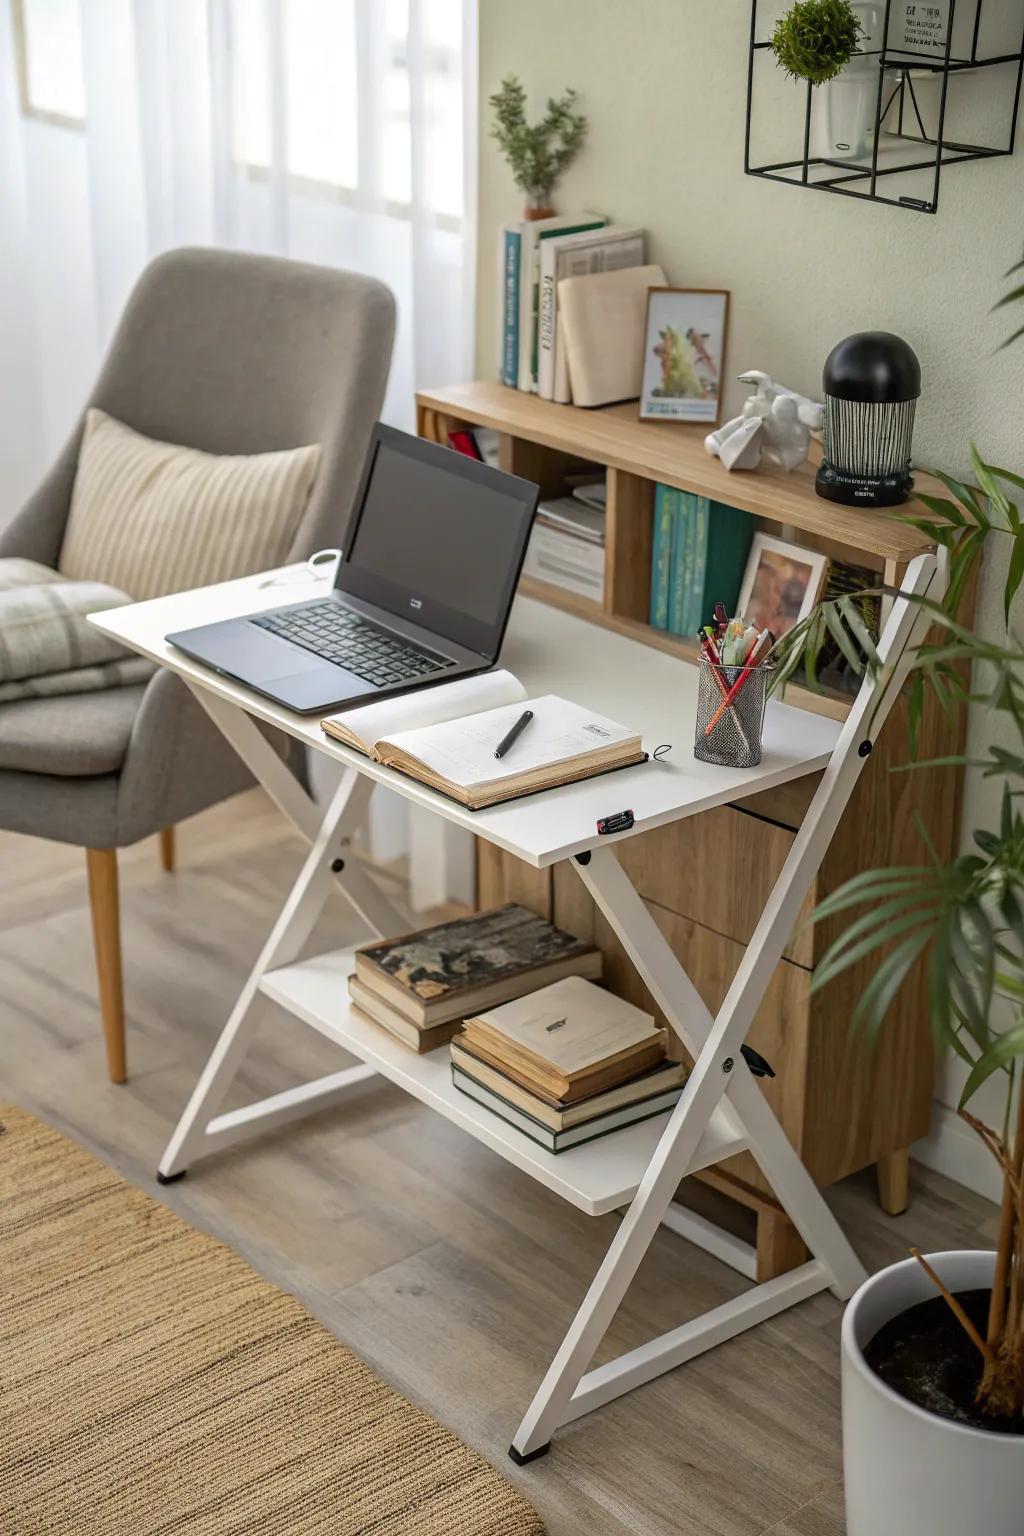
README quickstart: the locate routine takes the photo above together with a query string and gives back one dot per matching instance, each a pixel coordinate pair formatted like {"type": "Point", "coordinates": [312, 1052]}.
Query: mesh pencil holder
{"type": "Point", "coordinates": [734, 737]}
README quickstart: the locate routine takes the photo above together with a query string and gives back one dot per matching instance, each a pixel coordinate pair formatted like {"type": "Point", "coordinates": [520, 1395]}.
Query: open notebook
{"type": "Point", "coordinates": [445, 737]}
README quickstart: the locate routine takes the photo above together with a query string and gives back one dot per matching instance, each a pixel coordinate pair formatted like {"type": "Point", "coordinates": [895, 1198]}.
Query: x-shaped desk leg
{"type": "Point", "coordinates": [201, 1130]}
{"type": "Point", "coordinates": [719, 1072]}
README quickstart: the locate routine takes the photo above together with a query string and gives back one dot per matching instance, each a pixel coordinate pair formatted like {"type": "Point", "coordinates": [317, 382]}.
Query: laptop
{"type": "Point", "coordinates": [422, 593]}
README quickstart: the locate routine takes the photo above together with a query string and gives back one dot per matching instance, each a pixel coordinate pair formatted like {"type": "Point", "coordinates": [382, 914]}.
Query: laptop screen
{"type": "Point", "coordinates": [439, 539]}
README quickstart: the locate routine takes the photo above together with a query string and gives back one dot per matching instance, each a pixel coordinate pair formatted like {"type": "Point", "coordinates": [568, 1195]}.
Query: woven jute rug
{"type": "Point", "coordinates": [151, 1382]}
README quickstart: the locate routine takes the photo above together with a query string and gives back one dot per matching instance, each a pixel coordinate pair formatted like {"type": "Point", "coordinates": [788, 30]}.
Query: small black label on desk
{"type": "Point", "coordinates": [620, 822]}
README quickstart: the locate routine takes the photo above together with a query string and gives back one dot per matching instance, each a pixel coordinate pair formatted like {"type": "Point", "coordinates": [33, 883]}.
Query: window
{"type": "Point", "coordinates": [326, 91]}
{"type": "Point", "coordinates": [48, 59]}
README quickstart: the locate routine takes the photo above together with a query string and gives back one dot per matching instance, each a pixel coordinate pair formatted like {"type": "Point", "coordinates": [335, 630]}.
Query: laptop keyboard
{"type": "Point", "coordinates": [339, 635]}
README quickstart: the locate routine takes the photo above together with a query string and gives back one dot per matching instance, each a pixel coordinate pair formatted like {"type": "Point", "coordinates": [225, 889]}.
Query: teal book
{"type": "Point", "coordinates": [661, 556]}
{"type": "Point", "coordinates": [682, 560]}
{"type": "Point", "coordinates": [693, 607]}
{"type": "Point", "coordinates": [510, 306]}
{"type": "Point", "coordinates": [730, 532]}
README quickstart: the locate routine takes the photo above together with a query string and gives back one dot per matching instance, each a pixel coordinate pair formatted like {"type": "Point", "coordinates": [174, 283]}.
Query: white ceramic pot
{"type": "Point", "coordinates": [908, 1472]}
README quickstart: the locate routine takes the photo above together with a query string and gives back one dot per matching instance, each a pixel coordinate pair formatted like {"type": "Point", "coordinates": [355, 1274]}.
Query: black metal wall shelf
{"type": "Point", "coordinates": [897, 111]}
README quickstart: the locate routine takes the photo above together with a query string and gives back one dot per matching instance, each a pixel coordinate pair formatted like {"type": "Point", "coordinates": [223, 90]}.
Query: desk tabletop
{"type": "Point", "coordinates": [550, 652]}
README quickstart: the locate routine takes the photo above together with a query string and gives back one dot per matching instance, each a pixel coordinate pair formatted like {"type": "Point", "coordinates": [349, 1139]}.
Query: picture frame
{"type": "Point", "coordinates": [781, 584]}
{"type": "Point", "coordinates": [683, 367]}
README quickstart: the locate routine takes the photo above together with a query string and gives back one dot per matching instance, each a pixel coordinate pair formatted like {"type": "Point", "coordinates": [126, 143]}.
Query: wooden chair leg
{"type": "Point", "coordinates": [101, 864]}
{"type": "Point", "coordinates": [167, 850]}
{"type": "Point", "coordinates": [893, 1174]}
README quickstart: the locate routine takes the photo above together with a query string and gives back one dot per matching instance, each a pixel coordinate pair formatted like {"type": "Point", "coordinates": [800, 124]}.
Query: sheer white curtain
{"type": "Point", "coordinates": [335, 131]}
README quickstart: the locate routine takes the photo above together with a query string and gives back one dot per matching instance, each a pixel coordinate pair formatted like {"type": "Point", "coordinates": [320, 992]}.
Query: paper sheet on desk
{"type": "Point", "coordinates": [462, 751]}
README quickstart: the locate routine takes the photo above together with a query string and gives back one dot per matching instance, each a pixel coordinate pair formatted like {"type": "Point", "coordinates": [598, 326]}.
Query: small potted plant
{"type": "Point", "coordinates": [933, 1348]}
{"type": "Point", "coordinates": [816, 39]}
{"type": "Point", "coordinates": [538, 155]}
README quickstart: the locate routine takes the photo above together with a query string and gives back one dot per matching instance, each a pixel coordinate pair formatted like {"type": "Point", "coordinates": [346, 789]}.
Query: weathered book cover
{"type": "Point", "coordinates": [448, 964]}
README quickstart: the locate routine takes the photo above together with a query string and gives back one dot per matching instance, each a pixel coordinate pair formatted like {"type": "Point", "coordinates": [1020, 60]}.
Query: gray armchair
{"type": "Point", "coordinates": [232, 354]}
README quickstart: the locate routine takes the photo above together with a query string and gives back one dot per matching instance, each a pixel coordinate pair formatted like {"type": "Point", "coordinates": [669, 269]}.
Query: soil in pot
{"type": "Point", "coordinates": [925, 1355]}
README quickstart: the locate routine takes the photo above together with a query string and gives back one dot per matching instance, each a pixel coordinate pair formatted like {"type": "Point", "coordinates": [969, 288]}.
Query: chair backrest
{"type": "Point", "coordinates": [235, 353]}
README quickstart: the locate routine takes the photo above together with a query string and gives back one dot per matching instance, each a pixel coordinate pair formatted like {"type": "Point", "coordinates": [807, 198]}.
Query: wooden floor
{"type": "Point", "coordinates": [451, 1273]}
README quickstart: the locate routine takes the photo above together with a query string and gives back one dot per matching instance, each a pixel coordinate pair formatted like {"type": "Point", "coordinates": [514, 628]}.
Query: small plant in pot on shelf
{"type": "Point", "coordinates": [816, 39]}
{"type": "Point", "coordinates": [933, 1348]}
{"type": "Point", "coordinates": [538, 155]}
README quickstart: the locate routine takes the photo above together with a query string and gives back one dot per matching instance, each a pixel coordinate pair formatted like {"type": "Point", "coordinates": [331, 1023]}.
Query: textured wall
{"type": "Point", "coordinates": [663, 83]}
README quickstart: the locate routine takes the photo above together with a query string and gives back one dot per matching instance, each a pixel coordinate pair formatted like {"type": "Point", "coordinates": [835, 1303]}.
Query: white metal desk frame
{"type": "Point", "coordinates": [719, 1073]}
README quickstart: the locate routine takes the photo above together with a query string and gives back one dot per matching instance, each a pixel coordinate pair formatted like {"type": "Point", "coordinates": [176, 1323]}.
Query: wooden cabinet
{"type": "Point", "coordinates": [843, 1104]}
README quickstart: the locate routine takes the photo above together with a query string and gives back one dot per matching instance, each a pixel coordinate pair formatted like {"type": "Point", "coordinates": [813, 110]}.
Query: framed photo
{"type": "Point", "coordinates": [781, 584]}
{"type": "Point", "coordinates": [684, 354]}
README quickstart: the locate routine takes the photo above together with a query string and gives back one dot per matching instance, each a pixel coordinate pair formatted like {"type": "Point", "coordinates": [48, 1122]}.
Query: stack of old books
{"type": "Point", "coordinates": [566, 1064]}
{"type": "Point", "coordinates": [421, 985]}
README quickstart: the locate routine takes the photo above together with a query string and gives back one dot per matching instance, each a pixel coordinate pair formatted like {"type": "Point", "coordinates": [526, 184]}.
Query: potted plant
{"type": "Point", "coordinates": [816, 39]}
{"type": "Point", "coordinates": [539, 155]}
{"type": "Point", "coordinates": [933, 1348]}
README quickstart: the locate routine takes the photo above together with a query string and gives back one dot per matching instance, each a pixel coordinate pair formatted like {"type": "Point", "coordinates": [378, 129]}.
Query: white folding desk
{"type": "Point", "coordinates": [721, 1111]}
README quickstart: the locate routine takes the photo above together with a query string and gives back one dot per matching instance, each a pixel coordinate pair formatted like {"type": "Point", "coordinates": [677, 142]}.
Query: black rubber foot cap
{"type": "Point", "coordinates": [170, 1178]}
{"type": "Point", "coordinates": [521, 1460]}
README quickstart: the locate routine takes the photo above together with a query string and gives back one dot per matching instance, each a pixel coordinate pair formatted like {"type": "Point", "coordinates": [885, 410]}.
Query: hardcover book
{"type": "Point", "coordinates": [661, 556]}
{"type": "Point", "coordinates": [567, 1040]}
{"type": "Point", "coordinates": [667, 1077]}
{"type": "Point", "coordinates": [572, 1136]}
{"type": "Point", "coordinates": [577, 255]}
{"type": "Point", "coordinates": [451, 969]}
{"type": "Point", "coordinates": [419, 1038]}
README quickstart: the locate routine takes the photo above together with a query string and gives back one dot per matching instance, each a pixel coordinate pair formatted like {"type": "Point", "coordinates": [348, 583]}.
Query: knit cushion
{"type": "Point", "coordinates": [152, 517]}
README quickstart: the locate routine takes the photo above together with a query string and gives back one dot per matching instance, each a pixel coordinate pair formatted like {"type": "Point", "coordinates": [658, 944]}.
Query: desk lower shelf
{"type": "Point", "coordinates": [598, 1177]}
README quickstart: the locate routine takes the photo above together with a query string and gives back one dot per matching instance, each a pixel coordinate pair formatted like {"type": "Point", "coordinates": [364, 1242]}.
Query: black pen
{"type": "Point", "coordinates": [514, 734]}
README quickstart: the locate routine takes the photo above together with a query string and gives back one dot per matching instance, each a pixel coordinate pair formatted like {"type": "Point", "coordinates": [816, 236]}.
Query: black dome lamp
{"type": "Point", "coordinates": [871, 382]}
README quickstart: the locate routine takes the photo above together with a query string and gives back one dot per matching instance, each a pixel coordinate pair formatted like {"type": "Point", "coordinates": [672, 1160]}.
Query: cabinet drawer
{"type": "Point", "coordinates": [718, 869]}
{"type": "Point", "coordinates": [781, 1027]}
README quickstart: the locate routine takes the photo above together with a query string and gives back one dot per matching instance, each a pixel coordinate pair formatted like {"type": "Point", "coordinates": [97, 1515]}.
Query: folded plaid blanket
{"type": "Point", "coordinates": [48, 646]}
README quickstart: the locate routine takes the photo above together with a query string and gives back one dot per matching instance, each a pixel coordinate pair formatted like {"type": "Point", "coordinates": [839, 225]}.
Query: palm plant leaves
{"type": "Point", "coordinates": [1014, 296]}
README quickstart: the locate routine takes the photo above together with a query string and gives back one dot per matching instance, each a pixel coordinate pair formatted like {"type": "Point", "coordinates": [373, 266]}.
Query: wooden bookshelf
{"type": "Point", "coordinates": [541, 441]}
{"type": "Point", "coordinates": [843, 1106]}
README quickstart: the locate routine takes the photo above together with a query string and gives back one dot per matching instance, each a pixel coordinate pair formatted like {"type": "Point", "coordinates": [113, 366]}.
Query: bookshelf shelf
{"type": "Point", "coordinates": [598, 1177]}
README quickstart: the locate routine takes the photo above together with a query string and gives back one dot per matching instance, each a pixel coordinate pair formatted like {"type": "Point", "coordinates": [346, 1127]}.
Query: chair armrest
{"type": "Point", "coordinates": [37, 531]}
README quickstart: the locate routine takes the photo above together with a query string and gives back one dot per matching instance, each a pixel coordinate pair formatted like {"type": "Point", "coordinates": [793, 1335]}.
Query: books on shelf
{"type": "Point", "coordinates": [371, 1005]}
{"type": "Point", "coordinates": [519, 246]}
{"type": "Point", "coordinates": [480, 443]}
{"type": "Point", "coordinates": [575, 255]}
{"type": "Point", "coordinates": [445, 737]}
{"type": "Point", "coordinates": [421, 985]}
{"type": "Point", "coordinates": [699, 553]}
{"type": "Point", "coordinates": [603, 319]}
{"type": "Point", "coordinates": [566, 1041]}
{"type": "Point", "coordinates": [566, 1064]}
{"type": "Point", "coordinates": [566, 546]}
{"type": "Point", "coordinates": [556, 1138]}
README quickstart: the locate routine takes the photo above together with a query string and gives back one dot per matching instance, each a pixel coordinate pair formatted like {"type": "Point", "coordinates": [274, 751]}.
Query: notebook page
{"type": "Point", "coordinates": [371, 722]}
{"type": "Point", "coordinates": [462, 751]}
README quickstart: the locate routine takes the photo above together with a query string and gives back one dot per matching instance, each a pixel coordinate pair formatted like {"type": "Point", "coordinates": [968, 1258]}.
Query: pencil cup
{"type": "Point", "coordinates": [730, 714]}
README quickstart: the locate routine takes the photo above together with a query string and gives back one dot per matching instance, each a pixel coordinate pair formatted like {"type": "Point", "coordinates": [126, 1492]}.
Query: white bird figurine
{"type": "Point", "coordinates": [775, 425]}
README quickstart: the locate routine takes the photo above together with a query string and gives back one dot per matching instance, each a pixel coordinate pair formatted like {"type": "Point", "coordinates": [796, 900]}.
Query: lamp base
{"type": "Point", "coordinates": [862, 490]}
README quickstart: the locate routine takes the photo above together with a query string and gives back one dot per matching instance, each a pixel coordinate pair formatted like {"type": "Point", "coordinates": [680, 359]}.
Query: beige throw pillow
{"type": "Point", "coordinates": [152, 517]}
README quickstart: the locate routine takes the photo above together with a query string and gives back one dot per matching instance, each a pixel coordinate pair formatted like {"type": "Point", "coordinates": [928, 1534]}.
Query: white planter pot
{"type": "Point", "coordinates": [908, 1471]}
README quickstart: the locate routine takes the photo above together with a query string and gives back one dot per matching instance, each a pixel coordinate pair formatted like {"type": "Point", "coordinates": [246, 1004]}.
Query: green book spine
{"type": "Point", "coordinates": [693, 613]}
{"type": "Point", "coordinates": [661, 556]}
{"type": "Point", "coordinates": [682, 561]}
{"type": "Point", "coordinates": [729, 540]}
